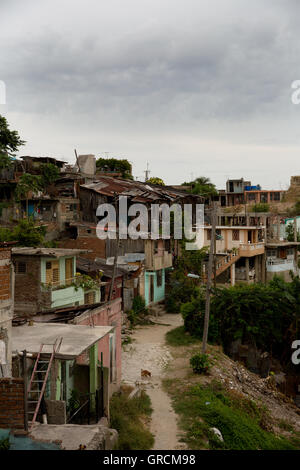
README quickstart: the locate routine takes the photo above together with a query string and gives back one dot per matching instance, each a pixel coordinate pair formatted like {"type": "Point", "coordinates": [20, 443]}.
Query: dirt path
{"type": "Point", "coordinates": [149, 351]}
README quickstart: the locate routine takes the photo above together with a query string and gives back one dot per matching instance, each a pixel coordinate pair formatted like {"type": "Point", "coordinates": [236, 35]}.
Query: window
{"type": "Point", "coordinates": [208, 234]}
{"type": "Point", "coordinates": [159, 278]}
{"type": "Point", "coordinates": [264, 197]}
{"type": "Point", "coordinates": [90, 297]}
{"type": "Point", "coordinates": [272, 253]}
{"type": "Point", "coordinates": [52, 272]}
{"type": "Point", "coordinates": [21, 267]}
{"type": "Point", "coordinates": [276, 196]}
{"type": "Point", "coordinates": [251, 197]}
{"type": "Point", "coordinates": [235, 235]}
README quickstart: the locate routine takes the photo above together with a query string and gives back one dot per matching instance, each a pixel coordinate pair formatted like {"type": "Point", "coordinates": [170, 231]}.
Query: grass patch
{"type": "Point", "coordinates": [242, 422]}
{"type": "Point", "coordinates": [126, 416]}
{"type": "Point", "coordinates": [179, 337]}
{"type": "Point", "coordinates": [285, 425]}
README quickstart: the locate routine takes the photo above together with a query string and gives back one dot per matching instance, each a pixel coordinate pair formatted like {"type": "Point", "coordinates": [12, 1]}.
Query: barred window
{"type": "Point", "coordinates": [235, 235]}
{"type": "Point", "coordinates": [90, 297]}
{"type": "Point", "coordinates": [159, 278]}
{"type": "Point", "coordinates": [21, 267]}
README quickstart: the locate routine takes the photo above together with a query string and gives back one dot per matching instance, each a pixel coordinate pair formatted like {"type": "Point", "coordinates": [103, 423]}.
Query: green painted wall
{"type": "Point", "coordinates": [62, 272]}
{"type": "Point", "coordinates": [93, 353]}
{"type": "Point", "coordinates": [158, 291]}
{"type": "Point", "coordinates": [67, 296]}
{"type": "Point", "coordinates": [58, 381]}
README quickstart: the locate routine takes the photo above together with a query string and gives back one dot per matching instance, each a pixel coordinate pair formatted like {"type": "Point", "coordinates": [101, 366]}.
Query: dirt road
{"type": "Point", "coordinates": [149, 351]}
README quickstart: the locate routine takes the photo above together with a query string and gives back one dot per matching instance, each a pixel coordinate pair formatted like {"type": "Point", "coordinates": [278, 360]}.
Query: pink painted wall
{"type": "Point", "coordinates": [110, 314]}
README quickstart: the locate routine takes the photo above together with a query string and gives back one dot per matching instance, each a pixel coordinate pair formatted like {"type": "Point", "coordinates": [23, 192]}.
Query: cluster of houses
{"type": "Point", "coordinates": [66, 306]}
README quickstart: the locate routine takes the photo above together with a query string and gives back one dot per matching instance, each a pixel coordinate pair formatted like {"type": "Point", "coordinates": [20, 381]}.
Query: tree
{"type": "Point", "coordinates": [115, 165]}
{"type": "Point", "coordinates": [156, 180]}
{"type": "Point", "coordinates": [25, 233]}
{"type": "Point", "coordinates": [256, 314]}
{"type": "Point", "coordinates": [202, 186]}
{"type": "Point", "coordinates": [50, 173]}
{"type": "Point", "coordinates": [10, 142]}
{"type": "Point", "coordinates": [290, 233]}
{"type": "Point", "coordinates": [28, 182]}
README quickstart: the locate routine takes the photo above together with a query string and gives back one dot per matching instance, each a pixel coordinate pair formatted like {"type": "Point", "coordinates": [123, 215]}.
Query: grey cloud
{"type": "Point", "coordinates": [177, 71]}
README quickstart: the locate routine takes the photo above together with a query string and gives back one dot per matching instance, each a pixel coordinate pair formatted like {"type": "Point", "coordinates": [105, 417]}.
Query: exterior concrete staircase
{"type": "Point", "coordinates": [225, 263]}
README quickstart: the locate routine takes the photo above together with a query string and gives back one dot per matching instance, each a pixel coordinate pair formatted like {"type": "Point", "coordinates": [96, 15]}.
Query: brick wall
{"type": "Point", "coordinates": [28, 296]}
{"type": "Point", "coordinates": [12, 403]}
{"type": "Point", "coordinates": [5, 256]}
{"type": "Point", "coordinates": [94, 244]}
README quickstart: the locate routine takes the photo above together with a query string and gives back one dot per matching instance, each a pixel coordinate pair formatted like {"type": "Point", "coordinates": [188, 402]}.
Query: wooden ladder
{"type": "Point", "coordinates": [41, 369]}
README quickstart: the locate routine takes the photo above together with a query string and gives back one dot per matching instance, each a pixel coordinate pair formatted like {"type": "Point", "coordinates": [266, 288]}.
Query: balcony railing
{"type": "Point", "coordinates": [75, 281]}
{"type": "Point", "coordinates": [251, 249]}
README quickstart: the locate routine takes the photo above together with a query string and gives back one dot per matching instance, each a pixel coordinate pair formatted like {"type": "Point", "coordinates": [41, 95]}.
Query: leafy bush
{"type": "Point", "coordinates": [4, 444]}
{"type": "Point", "coordinates": [26, 233]}
{"type": "Point", "coordinates": [115, 165]}
{"type": "Point", "coordinates": [260, 207]}
{"type": "Point", "coordinates": [265, 315]}
{"type": "Point", "coordinates": [138, 310]}
{"type": "Point", "coordinates": [200, 363]}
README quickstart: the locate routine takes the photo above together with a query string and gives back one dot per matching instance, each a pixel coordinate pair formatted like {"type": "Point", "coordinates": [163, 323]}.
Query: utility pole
{"type": "Point", "coordinates": [209, 276]}
{"type": "Point", "coordinates": [215, 243]}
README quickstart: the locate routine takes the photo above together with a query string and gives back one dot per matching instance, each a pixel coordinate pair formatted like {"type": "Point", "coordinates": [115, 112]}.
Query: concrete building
{"type": "Point", "coordinates": [157, 259]}
{"type": "Point", "coordinates": [6, 308]}
{"type": "Point", "coordinates": [46, 278]}
{"type": "Point", "coordinates": [101, 314]}
{"type": "Point", "coordinates": [240, 251]}
{"type": "Point", "coordinates": [282, 259]}
{"type": "Point", "coordinates": [75, 367]}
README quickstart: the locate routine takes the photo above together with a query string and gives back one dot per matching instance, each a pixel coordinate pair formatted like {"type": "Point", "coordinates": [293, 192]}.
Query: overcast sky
{"type": "Point", "coordinates": [194, 87]}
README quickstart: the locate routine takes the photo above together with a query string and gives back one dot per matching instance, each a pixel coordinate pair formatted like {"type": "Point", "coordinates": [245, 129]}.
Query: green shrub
{"type": "Point", "coordinates": [125, 417]}
{"type": "Point", "coordinates": [138, 310]}
{"type": "Point", "coordinates": [265, 315]}
{"type": "Point", "coordinates": [260, 207]}
{"type": "Point", "coordinates": [4, 444]}
{"type": "Point", "coordinates": [200, 363]}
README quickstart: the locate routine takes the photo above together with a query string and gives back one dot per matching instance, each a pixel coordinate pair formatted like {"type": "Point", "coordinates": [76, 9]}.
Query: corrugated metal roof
{"type": "Point", "coordinates": [138, 191]}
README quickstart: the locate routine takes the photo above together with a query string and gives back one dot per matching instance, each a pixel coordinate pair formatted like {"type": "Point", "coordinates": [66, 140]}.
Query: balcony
{"type": "Point", "coordinates": [162, 261]}
{"type": "Point", "coordinates": [69, 291]}
{"type": "Point", "coordinates": [275, 265]}
{"type": "Point", "coordinates": [63, 283]}
{"type": "Point", "coordinates": [251, 249]}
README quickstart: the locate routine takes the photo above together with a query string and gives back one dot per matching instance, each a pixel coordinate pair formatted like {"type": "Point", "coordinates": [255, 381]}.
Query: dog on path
{"type": "Point", "coordinates": [145, 373]}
